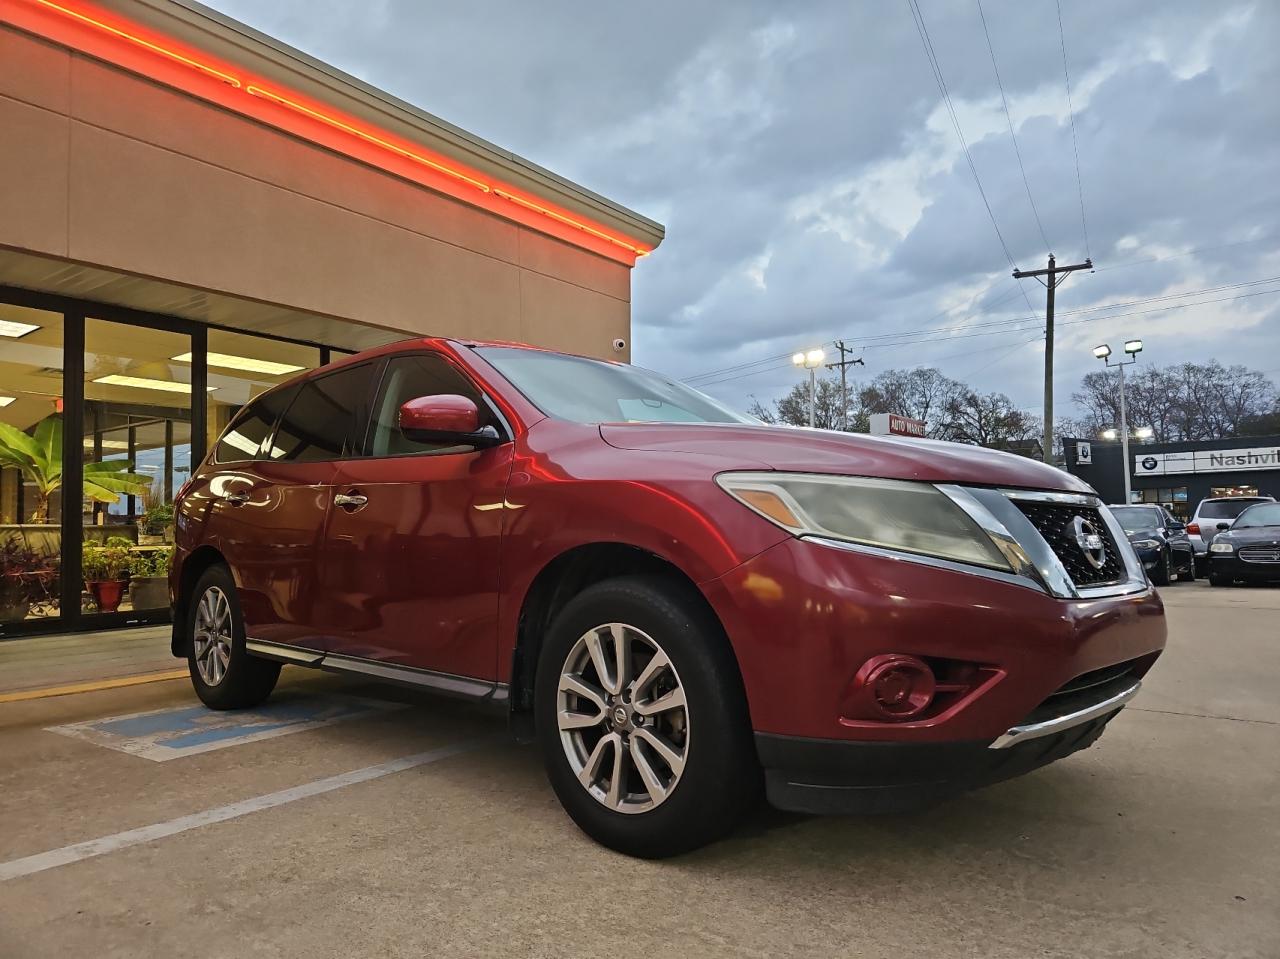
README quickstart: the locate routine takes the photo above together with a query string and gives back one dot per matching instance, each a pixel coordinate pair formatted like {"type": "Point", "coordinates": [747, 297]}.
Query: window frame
{"type": "Point", "coordinates": [356, 435]}
{"type": "Point", "coordinates": [245, 412]}
{"type": "Point", "coordinates": [505, 433]}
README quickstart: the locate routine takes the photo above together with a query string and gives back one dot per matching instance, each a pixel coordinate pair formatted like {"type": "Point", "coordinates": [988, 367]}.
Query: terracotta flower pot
{"type": "Point", "coordinates": [107, 594]}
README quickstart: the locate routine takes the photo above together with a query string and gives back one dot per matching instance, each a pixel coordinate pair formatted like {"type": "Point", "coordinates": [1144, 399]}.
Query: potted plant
{"type": "Point", "coordinates": [39, 458]}
{"type": "Point", "coordinates": [21, 572]}
{"type": "Point", "coordinates": [149, 579]}
{"type": "Point", "coordinates": [155, 526]}
{"type": "Point", "coordinates": [105, 571]}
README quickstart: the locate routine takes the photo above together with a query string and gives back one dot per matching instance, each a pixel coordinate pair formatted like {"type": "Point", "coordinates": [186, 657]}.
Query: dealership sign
{"type": "Point", "coordinates": [1207, 461]}
{"type": "Point", "coordinates": [891, 424]}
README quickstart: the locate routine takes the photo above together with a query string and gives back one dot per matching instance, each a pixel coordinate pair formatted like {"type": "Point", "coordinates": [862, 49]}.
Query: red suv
{"type": "Point", "coordinates": [682, 605]}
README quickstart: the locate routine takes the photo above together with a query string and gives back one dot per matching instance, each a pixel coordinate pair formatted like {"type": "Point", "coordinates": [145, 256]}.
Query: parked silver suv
{"type": "Point", "coordinates": [1212, 511]}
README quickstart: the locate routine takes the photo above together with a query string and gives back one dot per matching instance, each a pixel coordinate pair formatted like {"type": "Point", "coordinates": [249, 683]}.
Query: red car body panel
{"type": "Point", "coordinates": [434, 571]}
{"type": "Point", "coordinates": [805, 616]}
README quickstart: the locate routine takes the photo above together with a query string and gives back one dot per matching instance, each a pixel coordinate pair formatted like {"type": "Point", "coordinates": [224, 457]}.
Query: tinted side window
{"type": "Point", "coordinates": [248, 431]}
{"type": "Point", "coordinates": [321, 423]}
{"type": "Point", "coordinates": [407, 378]}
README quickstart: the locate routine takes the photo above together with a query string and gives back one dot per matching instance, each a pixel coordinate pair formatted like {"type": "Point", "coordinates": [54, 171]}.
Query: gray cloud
{"type": "Point", "coordinates": [812, 187]}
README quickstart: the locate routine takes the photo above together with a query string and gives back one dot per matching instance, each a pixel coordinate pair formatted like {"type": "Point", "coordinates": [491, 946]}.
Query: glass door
{"type": "Point", "coordinates": [136, 440]}
{"type": "Point", "coordinates": [32, 410]}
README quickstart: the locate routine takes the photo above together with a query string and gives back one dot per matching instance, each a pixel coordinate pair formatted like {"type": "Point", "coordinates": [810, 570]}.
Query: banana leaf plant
{"type": "Point", "coordinates": [39, 457]}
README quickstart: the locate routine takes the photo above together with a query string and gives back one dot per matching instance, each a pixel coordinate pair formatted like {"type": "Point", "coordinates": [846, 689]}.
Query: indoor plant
{"type": "Point", "coordinates": [21, 573]}
{"type": "Point", "coordinates": [39, 457]}
{"type": "Point", "coordinates": [105, 571]}
{"type": "Point", "coordinates": [155, 524]}
{"type": "Point", "coordinates": [149, 579]}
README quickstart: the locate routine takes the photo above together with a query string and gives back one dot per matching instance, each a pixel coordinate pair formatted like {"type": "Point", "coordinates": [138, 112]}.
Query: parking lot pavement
{"type": "Point", "coordinates": [1163, 840]}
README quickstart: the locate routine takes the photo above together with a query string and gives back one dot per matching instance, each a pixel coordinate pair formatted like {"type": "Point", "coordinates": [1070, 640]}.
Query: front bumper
{"type": "Point", "coordinates": [803, 617]}
{"type": "Point", "coordinates": [1231, 566]}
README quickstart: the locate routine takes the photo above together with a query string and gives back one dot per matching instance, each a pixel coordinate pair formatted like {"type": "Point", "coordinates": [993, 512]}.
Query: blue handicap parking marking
{"type": "Point", "coordinates": [164, 734]}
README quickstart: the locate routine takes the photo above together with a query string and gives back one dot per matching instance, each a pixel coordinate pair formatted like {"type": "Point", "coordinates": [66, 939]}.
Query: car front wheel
{"type": "Point", "coordinates": [223, 673]}
{"type": "Point", "coordinates": [642, 720]}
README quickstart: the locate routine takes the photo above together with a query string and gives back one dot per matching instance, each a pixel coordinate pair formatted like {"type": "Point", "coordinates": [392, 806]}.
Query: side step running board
{"type": "Point", "coordinates": [462, 687]}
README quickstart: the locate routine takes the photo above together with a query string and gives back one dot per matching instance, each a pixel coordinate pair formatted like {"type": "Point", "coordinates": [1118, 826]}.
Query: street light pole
{"type": "Point", "coordinates": [1131, 348]}
{"type": "Point", "coordinates": [810, 361]}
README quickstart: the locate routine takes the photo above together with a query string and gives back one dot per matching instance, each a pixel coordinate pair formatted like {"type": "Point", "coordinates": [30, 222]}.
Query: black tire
{"type": "Point", "coordinates": [1190, 573]}
{"type": "Point", "coordinates": [246, 680]}
{"type": "Point", "coordinates": [1217, 579]}
{"type": "Point", "coordinates": [720, 778]}
{"type": "Point", "coordinates": [1163, 572]}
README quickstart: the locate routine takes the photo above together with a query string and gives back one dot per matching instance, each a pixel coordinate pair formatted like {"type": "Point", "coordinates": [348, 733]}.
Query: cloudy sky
{"type": "Point", "coordinates": [813, 186]}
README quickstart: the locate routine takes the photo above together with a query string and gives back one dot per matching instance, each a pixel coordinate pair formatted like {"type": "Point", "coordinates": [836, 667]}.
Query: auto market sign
{"type": "Point", "coordinates": [1207, 461]}
{"type": "Point", "coordinates": [891, 424]}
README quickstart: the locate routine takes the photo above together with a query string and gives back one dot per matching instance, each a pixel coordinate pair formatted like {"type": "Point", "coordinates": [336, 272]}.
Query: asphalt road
{"type": "Point", "coordinates": [1163, 840]}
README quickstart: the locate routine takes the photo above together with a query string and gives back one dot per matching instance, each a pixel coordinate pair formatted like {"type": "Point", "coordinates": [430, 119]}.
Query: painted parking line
{"type": "Point", "coordinates": [28, 865]}
{"type": "Point", "coordinates": [164, 734]}
{"type": "Point", "coordinates": [93, 686]}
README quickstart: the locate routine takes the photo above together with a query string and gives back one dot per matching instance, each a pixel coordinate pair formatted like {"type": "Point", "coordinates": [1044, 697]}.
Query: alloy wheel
{"type": "Point", "coordinates": [212, 639]}
{"type": "Point", "coordinates": [622, 717]}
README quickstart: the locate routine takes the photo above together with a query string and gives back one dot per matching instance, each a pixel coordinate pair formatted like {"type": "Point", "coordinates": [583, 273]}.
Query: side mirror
{"type": "Point", "coordinates": [445, 418]}
{"type": "Point", "coordinates": [1224, 526]}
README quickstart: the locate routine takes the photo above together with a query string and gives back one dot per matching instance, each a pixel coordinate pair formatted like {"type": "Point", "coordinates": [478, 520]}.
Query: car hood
{"type": "Point", "coordinates": [1251, 536]}
{"type": "Point", "coordinates": [848, 454]}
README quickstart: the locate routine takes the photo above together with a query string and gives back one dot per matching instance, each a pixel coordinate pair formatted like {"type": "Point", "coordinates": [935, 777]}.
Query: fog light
{"type": "Point", "coordinates": [895, 686]}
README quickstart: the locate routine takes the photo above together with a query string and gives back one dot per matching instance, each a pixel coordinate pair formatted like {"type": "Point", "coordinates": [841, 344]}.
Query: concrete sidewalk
{"type": "Point", "coordinates": [42, 662]}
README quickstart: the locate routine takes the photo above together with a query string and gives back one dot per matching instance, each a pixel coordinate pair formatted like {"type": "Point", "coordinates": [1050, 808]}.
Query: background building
{"type": "Point", "coordinates": [1179, 475]}
{"type": "Point", "coordinates": [191, 212]}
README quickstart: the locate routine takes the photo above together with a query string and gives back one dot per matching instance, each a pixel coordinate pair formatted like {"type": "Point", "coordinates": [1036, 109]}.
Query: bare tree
{"type": "Point", "coordinates": [793, 408]}
{"type": "Point", "coordinates": [1185, 401]}
{"type": "Point", "coordinates": [989, 419]}
{"type": "Point", "coordinates": [921, 394]}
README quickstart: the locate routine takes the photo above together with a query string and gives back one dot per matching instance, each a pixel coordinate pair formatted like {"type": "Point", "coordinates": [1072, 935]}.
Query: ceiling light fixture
{"type": "Point", "coordinates": [229, 361]}
{"type": "Point", "coordinates": [146, 383]}
{"type": "Point", "coordinates": [15, 330]}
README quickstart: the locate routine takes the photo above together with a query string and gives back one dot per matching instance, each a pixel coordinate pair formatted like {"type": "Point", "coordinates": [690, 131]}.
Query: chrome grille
{"type": "Point", "coordinates": [1260, 554]}
{"type": "Point", "coordinates": [1053, 522]}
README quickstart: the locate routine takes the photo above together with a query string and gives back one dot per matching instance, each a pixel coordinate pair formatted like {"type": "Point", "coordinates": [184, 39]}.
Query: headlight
{"type": "Point", "coordinates": [1221, 548]}
{"type": "Point", "coordinates": [891, 514]}
{"type": "Point", "coordinates": [1145, 544]}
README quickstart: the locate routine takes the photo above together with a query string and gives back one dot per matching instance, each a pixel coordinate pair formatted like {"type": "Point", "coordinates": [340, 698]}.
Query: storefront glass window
{"type": "Point", "coordinates": [31, 414]}
{"type": "Point", "coordinates": [241, 367]}
{"type": "Point", "coordinates": [137, 454]}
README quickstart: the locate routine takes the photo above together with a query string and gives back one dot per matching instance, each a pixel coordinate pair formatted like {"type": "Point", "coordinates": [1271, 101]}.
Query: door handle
{"type": "Point", "coordinates": [236, 499]}
{"type": "Point", "coordinates": [353, 500]}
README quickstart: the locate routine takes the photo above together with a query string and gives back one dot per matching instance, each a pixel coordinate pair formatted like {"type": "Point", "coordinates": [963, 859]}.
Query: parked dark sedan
{"type": "Point", "coordinates": [1160, 541]}
{"type": "Point", "coordinates": [1249, 550]}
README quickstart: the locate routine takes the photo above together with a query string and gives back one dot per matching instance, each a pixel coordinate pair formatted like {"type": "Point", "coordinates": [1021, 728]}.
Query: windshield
{"type": "Point", "coordinates": [593, 391]}
{"type": "Point", "coordinates": [1266, 514]}
{"type": "Point", "coordinates": [1225, 508]}
{"type": "Point", "coordinates": [1136, 518]}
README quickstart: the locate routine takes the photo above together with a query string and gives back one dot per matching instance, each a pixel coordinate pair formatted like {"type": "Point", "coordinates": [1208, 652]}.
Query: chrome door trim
{"type": "Point", "coordinates": [1020, 734]}
{"type": "Point", "coordinates": [448, 684]}
{"type": "Point", "coordinates": [280, 652]}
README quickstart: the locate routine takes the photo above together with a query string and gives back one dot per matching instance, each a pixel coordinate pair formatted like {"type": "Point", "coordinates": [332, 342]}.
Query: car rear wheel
{"type": "Point", "coordinates": [223, 673]}
{"type": "Point", "coordinates": [1217, 579]}
{"type": "Point", "coordinates": [1190, 573]}
{"type": "Point", "coordinates": [642, 720]}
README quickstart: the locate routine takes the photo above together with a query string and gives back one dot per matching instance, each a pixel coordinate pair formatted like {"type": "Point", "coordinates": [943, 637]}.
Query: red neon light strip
{"type": "Point", "coordinates": [378, 141]}
{"type": "Point", "coordinates": [345, 127]}
{"type": "Point", "coordinates": [154, 48]}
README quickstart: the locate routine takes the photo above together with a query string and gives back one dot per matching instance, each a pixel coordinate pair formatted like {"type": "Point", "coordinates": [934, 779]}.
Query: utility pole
{"type": "Point", "coordinates": [1051, 282]}
{"type": "Point", "coordinates": [844, 384]}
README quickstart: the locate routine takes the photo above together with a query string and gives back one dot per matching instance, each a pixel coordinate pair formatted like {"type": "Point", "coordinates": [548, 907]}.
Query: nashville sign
{"type": "Point", "coordinates": [1207, 461]}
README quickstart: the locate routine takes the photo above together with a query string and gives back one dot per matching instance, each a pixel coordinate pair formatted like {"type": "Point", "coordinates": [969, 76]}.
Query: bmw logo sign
{"type": "Point", "coordinates": [1149, 462]}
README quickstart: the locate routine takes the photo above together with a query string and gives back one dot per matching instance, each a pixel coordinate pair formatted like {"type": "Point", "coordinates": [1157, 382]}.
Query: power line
{"type": "Point", "coordinates": [931, 56]}
{"type": "Point", "coordinates": [1009, 119]}
{"type": "Point", "coordinates": [1075, 143]}
{"type": "Point", "coordinates": [1038, 320]}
